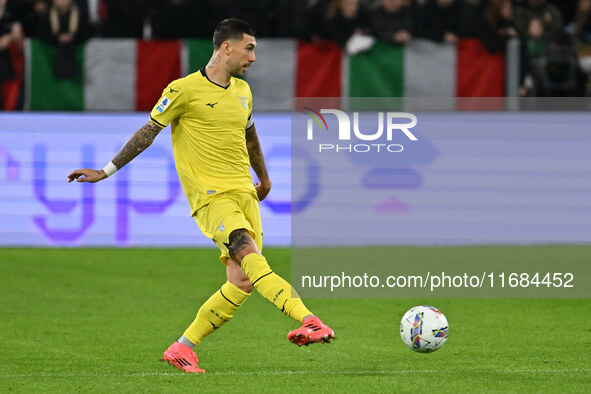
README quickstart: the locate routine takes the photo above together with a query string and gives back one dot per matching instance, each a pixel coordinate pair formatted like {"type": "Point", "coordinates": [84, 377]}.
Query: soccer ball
{"type": "Point", "coordinates": [424, 329]}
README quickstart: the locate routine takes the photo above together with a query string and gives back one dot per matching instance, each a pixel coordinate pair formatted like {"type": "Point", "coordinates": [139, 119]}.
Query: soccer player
{"type": "Point", "coordinates": [215, 143]}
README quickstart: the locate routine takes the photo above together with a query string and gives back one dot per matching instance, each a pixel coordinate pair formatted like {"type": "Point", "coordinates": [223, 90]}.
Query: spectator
{"type": "Point", "coordinates": [64, 23]}
{"type": "Point", "coordinates": [582, 25]}
{"type": "Point", "coordinates": [64, 26]}
{"type": "Point", "coordinates": [316, 15]}
{"type": "Point", "coordinates": [123, 18]}
{"type": "Point", "coordinates": [181, 18]}
{"type": "Point", "coordinates": [344, 18]}
{"type": "Point", "coordinates": [556, 72]}
{"type": "Point", "coordinates": [10, 31]}
{"type": "Point", "coordinates": [29, 13]}
{"type": "Point", "coordinates": [499, 26]}
{"type": "Point", "coordinates": [472, 18]}
{"type": "Point", "coordinates": [537, 19]}
{"type": "Point", "coordinates": [441, 20]}
{"type": "Point", "coordinates": [292, 19]}
{"type": "Point", "coordinates": [393, 21]}
{"type": "Point", "coordinates": [261, 14]}
{"type": "Point", "coordinates": [567, 8]}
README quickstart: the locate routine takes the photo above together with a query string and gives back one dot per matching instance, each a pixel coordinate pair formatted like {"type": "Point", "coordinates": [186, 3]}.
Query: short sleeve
{"type": "Point", "coordinates": [170, 106]}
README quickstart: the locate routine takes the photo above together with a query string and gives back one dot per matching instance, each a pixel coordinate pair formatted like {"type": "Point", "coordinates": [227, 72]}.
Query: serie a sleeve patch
{"type": "Point", "coordinates": [163, 104]}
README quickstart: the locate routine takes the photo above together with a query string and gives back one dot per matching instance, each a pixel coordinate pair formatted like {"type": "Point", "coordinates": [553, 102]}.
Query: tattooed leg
{"type": "Point", "coordinates": [270, 285]}
{"type": "Point", "coordinates": [241, 245]}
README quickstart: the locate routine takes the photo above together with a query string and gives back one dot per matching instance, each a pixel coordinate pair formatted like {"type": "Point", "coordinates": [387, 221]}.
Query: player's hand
{"type": "Point", "coordinates": [263, 189]}
{"type": "Point", "coordinates": [87, 175]}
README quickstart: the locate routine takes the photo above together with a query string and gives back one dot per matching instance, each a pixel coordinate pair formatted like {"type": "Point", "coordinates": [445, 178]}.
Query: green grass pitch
{"type": "Point", "coordinates": [77, 320]}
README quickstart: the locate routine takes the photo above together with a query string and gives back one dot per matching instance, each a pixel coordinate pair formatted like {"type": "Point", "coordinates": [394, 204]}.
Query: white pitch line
{"type": "Point", "coordinates": [245, 373]}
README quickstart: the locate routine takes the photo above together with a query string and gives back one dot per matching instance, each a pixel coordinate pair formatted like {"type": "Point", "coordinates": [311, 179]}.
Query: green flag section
{"type": "Point", "coordinates": [46, 91]}
{"type": "Point", "coordinates": [199, 52]}
{"type": "Point", "coordinates": [378, 72]}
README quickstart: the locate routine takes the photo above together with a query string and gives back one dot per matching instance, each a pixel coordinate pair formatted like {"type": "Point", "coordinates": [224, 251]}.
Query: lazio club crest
{"type": "Point", "coordinates": [243, 102]}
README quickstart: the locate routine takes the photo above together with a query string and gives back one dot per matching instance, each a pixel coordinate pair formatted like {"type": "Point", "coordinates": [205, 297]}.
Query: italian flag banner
{"type": "Point", "coordinates": [114, 75]}
{"type": "Point", "coordinates": [129, 75]}
{"type": "Point", "coordinates": [426, 69]}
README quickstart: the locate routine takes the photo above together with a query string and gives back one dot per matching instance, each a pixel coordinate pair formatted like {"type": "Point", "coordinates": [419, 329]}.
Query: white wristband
{"type": "Point", "coordinates": [110, 169]}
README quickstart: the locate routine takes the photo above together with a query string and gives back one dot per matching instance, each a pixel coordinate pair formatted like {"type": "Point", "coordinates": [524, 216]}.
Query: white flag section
{"type": "Point", "coordinates": [485, 178]}
{"type": "Point", "coordinates": [110, 75]}
{"type": "Point", "coordinates": [272, 76]}
{"type": "Point", "coordinates": [430, 69]}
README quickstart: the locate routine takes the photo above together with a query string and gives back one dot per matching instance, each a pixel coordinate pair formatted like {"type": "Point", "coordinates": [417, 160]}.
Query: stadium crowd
{"type": "Point", "coordinates": [397, 21]}
{"type": "Point", "coordinates": [539, 24]}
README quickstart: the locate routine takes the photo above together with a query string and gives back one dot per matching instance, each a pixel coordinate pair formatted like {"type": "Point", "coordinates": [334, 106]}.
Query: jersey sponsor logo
{"type": "Point", "coordinates": [211, 105]}
{"type": "Point", "coordinates": [172, 90]}
{"type": "Point", "coordinates": [210, 192]}
{"type": "Point", "coordinates": [243, 102]}
{"type": "Point", "coordinates": [163, 104]}
{"type": "Point", "coordinates": [220, 227]}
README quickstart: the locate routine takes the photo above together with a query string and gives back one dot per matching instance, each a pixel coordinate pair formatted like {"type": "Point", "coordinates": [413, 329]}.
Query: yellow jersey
{"type": "Point", "coordinates": [209, 123]}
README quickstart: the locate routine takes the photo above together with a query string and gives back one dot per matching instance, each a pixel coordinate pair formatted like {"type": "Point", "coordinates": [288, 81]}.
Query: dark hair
{"type": "Point", "coordinates": [231, 28]}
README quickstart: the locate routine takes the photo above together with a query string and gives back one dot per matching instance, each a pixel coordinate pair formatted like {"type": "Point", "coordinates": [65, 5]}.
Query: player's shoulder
{"type": "Point", "coordinates": [180, 84]}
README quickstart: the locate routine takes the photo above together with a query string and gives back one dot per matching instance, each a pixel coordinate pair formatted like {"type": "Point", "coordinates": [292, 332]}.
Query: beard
{"type": "Point", "coordinates": [237, 73]}
{"type": "Point", "coordinates": [239, 70]}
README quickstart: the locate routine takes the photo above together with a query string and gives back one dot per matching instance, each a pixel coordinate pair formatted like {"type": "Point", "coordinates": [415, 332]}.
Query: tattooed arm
{"type": "Point", "coordinates": [136, 145]}
{"type": "Point", "coordinates": [257, 162]}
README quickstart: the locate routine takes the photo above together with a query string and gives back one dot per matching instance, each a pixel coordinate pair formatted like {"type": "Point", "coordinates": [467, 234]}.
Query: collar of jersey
{"type": "Point", "coordinates": [216, 84]}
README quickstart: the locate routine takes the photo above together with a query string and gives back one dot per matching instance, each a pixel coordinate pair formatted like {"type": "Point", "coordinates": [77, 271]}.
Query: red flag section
{"type": "Point", "coordinates": [318, 69]}
{"type": "Point", "coordinates": [479, 73]}
{"type": "Point", "coordinates": [11, 89]}
{"type": "Point", "coordinates": [158, 64]}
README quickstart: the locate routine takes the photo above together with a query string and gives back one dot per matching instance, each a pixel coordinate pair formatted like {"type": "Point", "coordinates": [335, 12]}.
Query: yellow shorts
{"type": "Point", "coordinates": [227, 212]}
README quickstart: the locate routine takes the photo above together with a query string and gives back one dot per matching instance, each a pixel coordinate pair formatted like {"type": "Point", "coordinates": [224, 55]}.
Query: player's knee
{"type": "Point", "coordinates": [241, 244]}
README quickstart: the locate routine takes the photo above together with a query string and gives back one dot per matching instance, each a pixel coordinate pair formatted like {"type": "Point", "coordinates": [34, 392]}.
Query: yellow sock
{"type": "Point", "coordinates": [273, 287]}
{"type": "Point", "coordinates": [215, 312]}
